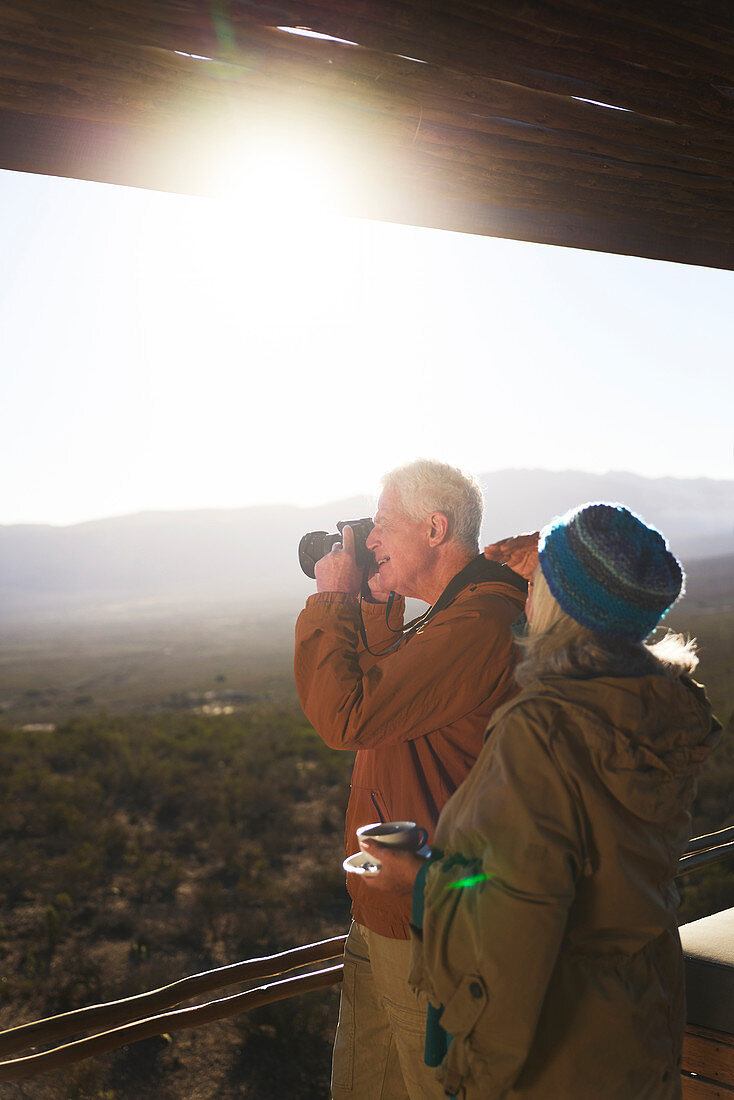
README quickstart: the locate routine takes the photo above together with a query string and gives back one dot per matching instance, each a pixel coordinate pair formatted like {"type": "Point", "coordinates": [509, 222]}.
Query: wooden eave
{"type": "Point", "coordinates": [598, 125]}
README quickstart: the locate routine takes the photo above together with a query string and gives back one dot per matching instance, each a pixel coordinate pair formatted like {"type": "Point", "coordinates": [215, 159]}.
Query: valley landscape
{"type": "Point", "coordinates": [167, 809]}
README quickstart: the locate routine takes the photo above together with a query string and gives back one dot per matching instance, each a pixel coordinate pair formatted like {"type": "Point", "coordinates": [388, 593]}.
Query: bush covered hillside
{"type": "Point", "coordinates": [135, 851]}
{"type": "Point", "coordinates": [137, 847]}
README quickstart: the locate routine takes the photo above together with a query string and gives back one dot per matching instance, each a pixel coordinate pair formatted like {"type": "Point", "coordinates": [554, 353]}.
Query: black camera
{"type": "Point", "coordinates": [316, 544]}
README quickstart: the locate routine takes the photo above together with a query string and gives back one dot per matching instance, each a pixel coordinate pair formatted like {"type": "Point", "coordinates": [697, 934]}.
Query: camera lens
{"type": "Point", "coordinates": [312, 548]}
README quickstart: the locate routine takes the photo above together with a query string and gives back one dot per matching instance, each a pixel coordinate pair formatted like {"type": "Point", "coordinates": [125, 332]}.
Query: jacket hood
{"type": "Point", "coordinates": [647, 736]}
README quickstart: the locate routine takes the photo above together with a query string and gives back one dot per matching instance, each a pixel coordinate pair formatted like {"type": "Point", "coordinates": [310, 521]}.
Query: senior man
{"type": "Point", "coordinates": [415, 706]}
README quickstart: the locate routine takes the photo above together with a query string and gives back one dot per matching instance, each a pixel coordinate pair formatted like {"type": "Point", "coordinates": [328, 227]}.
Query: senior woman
{"type": "Point", "coordinates": [549, 934]}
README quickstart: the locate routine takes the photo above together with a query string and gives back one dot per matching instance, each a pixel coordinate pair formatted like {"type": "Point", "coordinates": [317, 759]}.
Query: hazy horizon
{"type": "Point", "coordinates": [310, 506]}
{"type": "Point", "coordinates": [168, 562]}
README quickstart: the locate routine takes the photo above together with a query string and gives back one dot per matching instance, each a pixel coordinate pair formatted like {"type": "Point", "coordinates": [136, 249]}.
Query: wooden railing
{"type": "Point", "coordinates": [705, 850]}
{"type": "Point", "coordinates": [118, 1023]}
{"type": "Point", "coordinates": [145, 1015]}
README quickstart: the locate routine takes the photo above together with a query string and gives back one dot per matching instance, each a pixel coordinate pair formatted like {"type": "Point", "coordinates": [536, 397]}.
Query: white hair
{"type": "Point", "coordinates": [426, 486]}
{"type": "Point", "coordinates": [557, 645]}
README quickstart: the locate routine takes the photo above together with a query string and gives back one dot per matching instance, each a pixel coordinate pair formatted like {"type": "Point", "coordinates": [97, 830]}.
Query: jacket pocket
{"type": "Point", "coordinates": [461, 1013]}
{"type": "Point", "coordinates": [366, 806]}
{"type": "Point", "coordinates": [380, 806]}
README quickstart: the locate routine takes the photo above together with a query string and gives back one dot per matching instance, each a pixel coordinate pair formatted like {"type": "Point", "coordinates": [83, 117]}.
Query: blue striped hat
{"type": "Point", "coordinates": [609, 571]}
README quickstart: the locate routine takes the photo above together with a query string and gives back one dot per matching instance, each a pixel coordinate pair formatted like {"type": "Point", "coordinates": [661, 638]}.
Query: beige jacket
{"type": "Point", "coordinates": [549, 928]}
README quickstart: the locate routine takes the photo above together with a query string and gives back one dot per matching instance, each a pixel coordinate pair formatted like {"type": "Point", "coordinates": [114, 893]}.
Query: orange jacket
{"type": "Point", "coordinates": [416, 716]}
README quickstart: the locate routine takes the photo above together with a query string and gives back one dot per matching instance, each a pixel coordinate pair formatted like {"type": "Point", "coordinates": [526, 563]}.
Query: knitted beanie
{"type": "Point", "coordinates": [609, 571]}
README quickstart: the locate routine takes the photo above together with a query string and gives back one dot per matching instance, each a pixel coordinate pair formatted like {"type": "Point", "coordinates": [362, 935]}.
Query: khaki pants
{"type": "Point", "coordinates": [380, 1038]}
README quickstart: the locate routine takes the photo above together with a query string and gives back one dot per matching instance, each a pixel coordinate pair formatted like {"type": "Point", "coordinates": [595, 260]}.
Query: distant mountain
{"type": "Point", "coordinates": [246, 558]}
{"type": "Point", "coordinates": [696, 516]}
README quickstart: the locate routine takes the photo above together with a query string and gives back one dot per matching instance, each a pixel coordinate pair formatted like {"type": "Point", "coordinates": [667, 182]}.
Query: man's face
{"type": "Point", "coordinates": [400, 546]}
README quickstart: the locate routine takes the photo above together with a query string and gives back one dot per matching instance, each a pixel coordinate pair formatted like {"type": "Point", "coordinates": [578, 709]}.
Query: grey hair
{"type": "Point", "coordinates": [559, 646]}
{"type": "Point", "coordinates": [426, 486]}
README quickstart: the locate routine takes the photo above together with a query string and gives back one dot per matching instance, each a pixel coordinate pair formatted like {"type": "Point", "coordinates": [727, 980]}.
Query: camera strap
{"type": "Point", "coordinates": [478, 570]}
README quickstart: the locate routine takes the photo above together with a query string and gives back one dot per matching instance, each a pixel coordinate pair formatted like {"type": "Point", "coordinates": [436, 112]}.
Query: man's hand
{"type": "Point", "coordinates": [338, 571]}
{"type": "Point", "coordinates": [398, 871]}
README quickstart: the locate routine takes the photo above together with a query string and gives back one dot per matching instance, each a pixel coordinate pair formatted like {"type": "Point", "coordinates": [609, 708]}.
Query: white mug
{"type": "Point", "coordinates": [397, 834]}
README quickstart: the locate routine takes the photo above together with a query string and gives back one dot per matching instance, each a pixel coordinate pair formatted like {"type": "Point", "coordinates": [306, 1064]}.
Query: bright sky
{"type": "Point", "coordinates": [165, 352]}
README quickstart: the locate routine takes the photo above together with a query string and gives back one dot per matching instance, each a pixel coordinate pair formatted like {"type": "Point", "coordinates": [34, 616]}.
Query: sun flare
{"type": "Point", "coordinates": [282, 177]}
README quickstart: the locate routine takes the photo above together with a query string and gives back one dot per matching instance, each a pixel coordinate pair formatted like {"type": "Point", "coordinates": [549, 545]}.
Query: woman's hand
{"type": "Point", "coordinates": [379, 593]}
{"type": "Point", "coordinates": [519, 553]}
{"type": "Point", "coordinates": [398, 871]}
